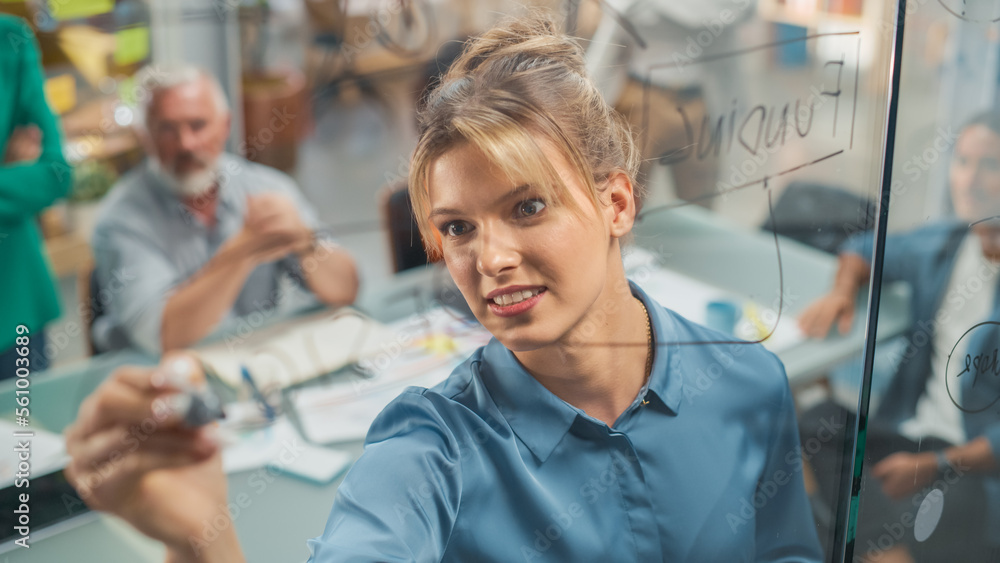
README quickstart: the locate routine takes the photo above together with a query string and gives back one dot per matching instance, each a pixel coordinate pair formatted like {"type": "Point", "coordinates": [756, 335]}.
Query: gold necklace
{"type": "Point", "coordinates": [649, 347]}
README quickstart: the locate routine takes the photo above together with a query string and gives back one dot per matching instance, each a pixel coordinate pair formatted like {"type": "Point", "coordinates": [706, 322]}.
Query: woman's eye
{"type": "Point", "coordinates": [530, 207]}
{"type": "Point", "coordinates": [456, 229]}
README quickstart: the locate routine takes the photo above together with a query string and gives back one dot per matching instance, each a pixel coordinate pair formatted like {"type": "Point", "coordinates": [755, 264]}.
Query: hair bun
{"type": "Point", "coordinates": [519, 44]}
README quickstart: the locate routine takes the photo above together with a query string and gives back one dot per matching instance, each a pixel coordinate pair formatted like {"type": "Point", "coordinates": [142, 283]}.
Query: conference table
{"type": "Point", "coordinates": [282, 512]}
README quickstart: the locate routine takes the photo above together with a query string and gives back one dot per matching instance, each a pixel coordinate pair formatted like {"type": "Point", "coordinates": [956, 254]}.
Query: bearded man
{"type": "Point", "coordinates": [195, 239]}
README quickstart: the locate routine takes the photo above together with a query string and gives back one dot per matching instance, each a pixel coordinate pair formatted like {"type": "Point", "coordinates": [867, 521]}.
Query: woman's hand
{"type": "Point", "coordinates": [132, 456]}
{"type": "Point", "coordinates": [834, 307]}
{"type": "Point", "coordinates": [24, 145]}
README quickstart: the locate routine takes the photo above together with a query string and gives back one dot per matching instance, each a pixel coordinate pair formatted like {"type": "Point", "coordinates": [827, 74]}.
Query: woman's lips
{"type": "Point", "coordinates": [516, 308]}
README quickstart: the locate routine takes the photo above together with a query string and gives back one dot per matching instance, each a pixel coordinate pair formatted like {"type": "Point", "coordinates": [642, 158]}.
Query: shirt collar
{"type": "Point", "coordinates": [535, 414]}
{"type": "Point", "coordinates": [539, 418]}
{"type": "Point", "coordinates": [665, 381]}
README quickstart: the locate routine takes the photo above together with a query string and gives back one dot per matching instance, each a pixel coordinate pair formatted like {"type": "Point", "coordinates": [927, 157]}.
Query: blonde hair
{"type": "Point", "coordinates": [520, 83]}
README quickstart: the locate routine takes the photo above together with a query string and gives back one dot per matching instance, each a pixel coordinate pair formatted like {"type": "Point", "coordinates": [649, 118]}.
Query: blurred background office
{"type": "Point", "coordinates": [769, 114]}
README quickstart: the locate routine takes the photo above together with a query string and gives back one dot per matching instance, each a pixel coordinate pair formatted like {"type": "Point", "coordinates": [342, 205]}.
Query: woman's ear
{"type": "Point", "coordinates": [621, 209]}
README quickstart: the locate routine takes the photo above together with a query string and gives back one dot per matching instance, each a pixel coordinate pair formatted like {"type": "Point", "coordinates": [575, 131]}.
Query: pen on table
{"type": "Point", "coordinates": [268, 409]}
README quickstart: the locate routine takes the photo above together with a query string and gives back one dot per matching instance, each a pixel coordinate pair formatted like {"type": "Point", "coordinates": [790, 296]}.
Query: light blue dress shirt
{"type": "Point", "coordinates": [491, 466]}
{"type": "Point", "coordinates": [146, 243]}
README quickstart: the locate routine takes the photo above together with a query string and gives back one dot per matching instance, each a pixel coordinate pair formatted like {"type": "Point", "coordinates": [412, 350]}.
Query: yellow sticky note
{"type": "Point", "coordinates": [60, 91]}
{"type": "Point", "coordinates": [71, 9]}
{"type": "Point", "coordinates": [438, 344]}
{"type": "Point", "coordinates": [131, 45]}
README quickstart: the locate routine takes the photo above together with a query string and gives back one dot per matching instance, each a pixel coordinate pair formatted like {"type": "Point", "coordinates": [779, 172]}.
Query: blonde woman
{"type": "Point", "coordinates": [580, 432]}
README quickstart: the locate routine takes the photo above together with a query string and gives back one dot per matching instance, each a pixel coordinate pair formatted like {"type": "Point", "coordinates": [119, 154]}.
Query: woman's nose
{"type": "Point", "coordinates": [497, 253]}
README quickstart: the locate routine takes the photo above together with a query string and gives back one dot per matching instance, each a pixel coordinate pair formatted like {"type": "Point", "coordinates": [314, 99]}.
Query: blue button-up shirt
{"type": "Point", "coordinates": [491, 466]}
{"type": "Point", "coordinates": [146, 243]}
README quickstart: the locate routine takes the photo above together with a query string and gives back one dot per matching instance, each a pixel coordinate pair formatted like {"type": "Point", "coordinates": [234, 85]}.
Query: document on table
{"type": "Point", "coordinates": [279, 447]}
{"type": "Point", "coordinates": [297, 350]}
{"type": "Point", "coordinates": [426, 349]}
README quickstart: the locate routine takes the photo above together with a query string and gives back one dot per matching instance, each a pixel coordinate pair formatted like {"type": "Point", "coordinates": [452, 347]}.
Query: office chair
{"type": "Point", "coordinates": [405, 246]}
{"type": "Point", "coordinates": [88, 294]}
{"type": "Point", "coordinates": [820, 216]}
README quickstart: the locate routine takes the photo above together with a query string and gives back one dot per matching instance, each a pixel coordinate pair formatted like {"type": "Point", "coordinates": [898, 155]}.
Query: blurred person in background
{"type": "Point", "coordinates": [929, 426]}
{"type": "Point", "coordinates": [194, 236]}
{"type": "Point", "coordinates": [33, 174]}
{"type": "Point", "coordinates": [645, 64]}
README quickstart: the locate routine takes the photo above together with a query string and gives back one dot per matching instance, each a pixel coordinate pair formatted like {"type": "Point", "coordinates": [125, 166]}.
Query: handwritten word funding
{"type": "Point", "coordinates": [763, 126]}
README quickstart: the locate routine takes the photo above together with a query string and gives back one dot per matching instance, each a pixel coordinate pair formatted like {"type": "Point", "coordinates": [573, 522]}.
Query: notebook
{"type": "Point", "coordinates": [296, 351]}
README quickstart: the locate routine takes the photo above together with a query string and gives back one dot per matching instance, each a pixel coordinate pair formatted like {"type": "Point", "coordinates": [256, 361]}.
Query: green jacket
{"type": "Point", "coordinates": [27, 292]}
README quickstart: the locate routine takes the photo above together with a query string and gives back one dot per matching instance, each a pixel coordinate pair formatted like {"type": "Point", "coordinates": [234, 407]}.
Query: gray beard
{"type": "Point", "coordinates": [191, 185]}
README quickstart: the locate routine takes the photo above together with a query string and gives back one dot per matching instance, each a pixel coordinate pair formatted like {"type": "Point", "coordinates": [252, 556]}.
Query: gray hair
{"type": "Point", "coordinates": [156, 78]}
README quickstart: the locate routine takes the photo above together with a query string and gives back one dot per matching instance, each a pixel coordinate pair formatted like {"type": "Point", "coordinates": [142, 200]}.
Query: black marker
{"type": "Point", "coordinates": [199, 406]}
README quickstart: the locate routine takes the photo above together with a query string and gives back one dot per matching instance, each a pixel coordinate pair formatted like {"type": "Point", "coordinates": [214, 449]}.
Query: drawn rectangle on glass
{"type": "Point", "coordinates": [814, 121]}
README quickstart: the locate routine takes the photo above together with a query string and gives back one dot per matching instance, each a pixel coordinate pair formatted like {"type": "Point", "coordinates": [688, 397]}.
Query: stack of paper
{"type": "Point", "coordinates": [296, 351]}
{"type": "Point", "coordinates": [280, 448]}
{"type": "Point", "coordinates": [426, 348]}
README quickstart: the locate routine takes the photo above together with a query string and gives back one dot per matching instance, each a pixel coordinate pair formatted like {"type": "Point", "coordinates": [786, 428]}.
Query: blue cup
{"type": "Point", "coordinates": [722, 316]}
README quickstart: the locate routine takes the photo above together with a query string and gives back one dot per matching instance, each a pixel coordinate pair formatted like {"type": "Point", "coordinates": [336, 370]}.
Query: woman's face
{"type": "Point", "coordinates": [531, 269]}
{"type": "Point", "coordinates": [975, 174]}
